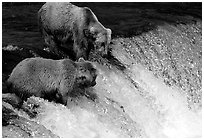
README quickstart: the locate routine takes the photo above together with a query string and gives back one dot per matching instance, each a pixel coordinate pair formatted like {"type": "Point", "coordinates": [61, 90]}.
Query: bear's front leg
{"type": "Point", "coordinates": [64, 100]}
{"type": "Point", "coordinates": [51, 44]}
{"type": "Point", "coordinates": [81, 51]}
{"type": "Point", "coordinates": [65, 88]}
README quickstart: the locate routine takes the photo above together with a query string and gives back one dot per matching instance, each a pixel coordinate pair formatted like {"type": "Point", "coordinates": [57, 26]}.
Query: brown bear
{"type": "Point", "coordinates": [54, 80]}
{"type": "Point", "coordinates": [71, 30]}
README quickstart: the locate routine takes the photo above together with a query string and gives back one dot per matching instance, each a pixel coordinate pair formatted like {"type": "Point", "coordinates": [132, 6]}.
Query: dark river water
{"type": "Point", "coordinates": [150, 87]}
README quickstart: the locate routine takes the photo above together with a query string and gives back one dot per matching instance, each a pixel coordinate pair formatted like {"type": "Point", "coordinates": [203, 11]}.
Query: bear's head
{"type": "Point", "coordinates": [101, 39]}
{"type": "Point", "coordinates": [86, 74]}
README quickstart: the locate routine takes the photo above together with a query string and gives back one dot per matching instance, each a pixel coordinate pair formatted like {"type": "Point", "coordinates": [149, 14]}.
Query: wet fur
{"type": "Point", "coordinates": [50, 79]}
{"type": "Point", "coordinates": [72, 30]}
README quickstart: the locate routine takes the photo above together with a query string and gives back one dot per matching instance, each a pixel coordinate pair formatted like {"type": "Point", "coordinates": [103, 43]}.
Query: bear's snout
{"type": "Point", "coordinates": [102, 48]}
{"type": "Point", "coordinates": [93, 83]}
{"type": "Point", "coordinates": [94, 77]}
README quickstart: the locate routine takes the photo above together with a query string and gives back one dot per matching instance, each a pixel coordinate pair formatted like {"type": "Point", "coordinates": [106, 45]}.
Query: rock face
{"type": "Point", "coordinates": [15, 126]}
{"type": "Point", "coordinates": [150, 85]}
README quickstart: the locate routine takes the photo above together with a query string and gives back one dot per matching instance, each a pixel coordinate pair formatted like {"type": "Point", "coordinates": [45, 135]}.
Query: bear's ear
{"type": "Point", "coordinates": [81, 59]}
{"type": "Point", "coordinates": [109, 32]}
{"type": "Point", "coordinates": [86, 33]}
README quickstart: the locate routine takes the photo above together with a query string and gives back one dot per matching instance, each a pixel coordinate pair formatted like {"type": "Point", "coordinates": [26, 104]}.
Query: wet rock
{"type": "Point", "coordinates": [12, 99]}
{"type": "Point", "coordinates": [7, 113]}
{"type": "Point", "coordinates": [35, 130]}
{"type": "Point", "coordinates": [11, 131]}
{"type": "Point", "coordinates": [17, 126]}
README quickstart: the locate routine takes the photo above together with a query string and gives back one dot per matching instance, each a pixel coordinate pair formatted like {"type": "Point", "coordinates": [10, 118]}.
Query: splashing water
{"type": "Point", "coordinates": [162, 111]}
{"type": "Point", "coordinates": [132, 103]}
{"type": "Point", "coordinates": [148, 98]}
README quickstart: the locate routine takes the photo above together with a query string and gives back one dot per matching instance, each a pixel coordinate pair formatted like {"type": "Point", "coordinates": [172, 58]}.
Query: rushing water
{"type": "Point", "coordinates": [150, 88]}
{"type": "Point", "coordinates": [123, 109]}
{"type": "Point", "coordinates": [128, 103]}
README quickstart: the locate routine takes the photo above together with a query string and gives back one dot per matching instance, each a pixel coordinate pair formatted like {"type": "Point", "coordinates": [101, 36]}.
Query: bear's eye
{"type": "Point", "coordinates": [93, 38]}
{"type": "Point", "coordinates": [93, 69]}
{"type": "Point", "coordinates": [83, 78]}
{"type": "Point", "coordinates": [103, 44]}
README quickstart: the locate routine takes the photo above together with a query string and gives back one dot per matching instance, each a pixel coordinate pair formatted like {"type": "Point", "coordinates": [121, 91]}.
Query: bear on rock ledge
{"type": "Point", "coordinates": [69, 30]}
{"type": "Point", "coordinates": [54, 80]}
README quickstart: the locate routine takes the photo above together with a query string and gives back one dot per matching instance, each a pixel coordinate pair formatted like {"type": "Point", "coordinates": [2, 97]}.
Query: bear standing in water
{"type": "Point", "coordinates": [71, 30]}
{"type": "Point", "coordinates": [51, 79]}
